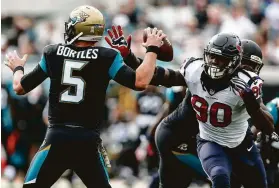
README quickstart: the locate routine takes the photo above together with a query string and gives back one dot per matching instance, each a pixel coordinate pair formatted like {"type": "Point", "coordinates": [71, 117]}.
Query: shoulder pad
{"type": "Point", "coordinates": [186, 63]}
{"type": "Point", "coordinates": [50, 48]}
{"type": "Point", "coordinates": [248, 76]}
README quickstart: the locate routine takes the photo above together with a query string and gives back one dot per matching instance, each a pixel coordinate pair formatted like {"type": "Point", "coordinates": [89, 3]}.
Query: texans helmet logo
{"type": "Point", "coordinates": [238, 47]}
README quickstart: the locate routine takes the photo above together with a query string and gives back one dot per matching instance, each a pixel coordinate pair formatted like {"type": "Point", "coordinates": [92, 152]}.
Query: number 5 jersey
{"type": "Point", "coordinates": [79, 77]}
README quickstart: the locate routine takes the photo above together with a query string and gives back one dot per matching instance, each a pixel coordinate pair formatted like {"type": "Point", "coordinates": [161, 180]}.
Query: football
{"type": "Point", "coordinates": [166, 50]}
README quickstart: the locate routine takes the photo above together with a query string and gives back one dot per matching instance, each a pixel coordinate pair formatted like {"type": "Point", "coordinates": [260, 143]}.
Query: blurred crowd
{"type": "Point", "coordinates": [130, 115]}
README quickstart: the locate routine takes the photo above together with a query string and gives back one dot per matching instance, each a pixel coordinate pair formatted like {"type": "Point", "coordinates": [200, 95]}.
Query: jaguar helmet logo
{"type": "Point", "coordinates": [79, 17]}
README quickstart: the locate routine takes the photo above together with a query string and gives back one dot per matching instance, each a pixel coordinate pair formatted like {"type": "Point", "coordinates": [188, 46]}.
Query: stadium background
{"type": "Point", "coordinates": [29, 25]}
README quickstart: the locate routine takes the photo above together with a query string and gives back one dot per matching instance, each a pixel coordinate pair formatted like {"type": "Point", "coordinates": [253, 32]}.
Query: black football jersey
{"type": "Point", "coordinates": [79, 78]}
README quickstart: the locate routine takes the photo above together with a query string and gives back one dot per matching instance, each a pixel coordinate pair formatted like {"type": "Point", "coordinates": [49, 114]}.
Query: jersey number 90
{"type": "Point", "coordinates": [220, 115]}
{"type": "Point", "coordinates": [77, 82]}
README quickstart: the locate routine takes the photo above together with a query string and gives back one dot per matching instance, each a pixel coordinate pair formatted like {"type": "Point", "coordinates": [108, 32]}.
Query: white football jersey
{"type": "Point", "coordinates": [222, 116]}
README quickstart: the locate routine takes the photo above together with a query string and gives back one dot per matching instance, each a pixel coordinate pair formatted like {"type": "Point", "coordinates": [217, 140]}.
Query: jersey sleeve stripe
{"type": "Point", "coordinates": [43, 64]}
{"type": "Point", "coordinates": [116, 65]}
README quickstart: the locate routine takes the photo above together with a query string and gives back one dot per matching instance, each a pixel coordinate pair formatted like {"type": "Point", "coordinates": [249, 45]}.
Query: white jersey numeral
{"type": "Point", "coordinates": [77, 82]}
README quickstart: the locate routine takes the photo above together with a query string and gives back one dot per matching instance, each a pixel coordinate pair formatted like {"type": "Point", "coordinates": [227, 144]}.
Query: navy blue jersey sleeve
{"type": "Point", "coordinates": [33, 79]}
{"type": "Point", "coordinates": [126, 77]}
{"type": "Point", "coordinates": [37, 75]}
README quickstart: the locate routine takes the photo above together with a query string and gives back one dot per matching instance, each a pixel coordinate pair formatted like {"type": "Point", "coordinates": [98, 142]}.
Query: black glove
{"type": "Point", "coordinates": [118, 41]}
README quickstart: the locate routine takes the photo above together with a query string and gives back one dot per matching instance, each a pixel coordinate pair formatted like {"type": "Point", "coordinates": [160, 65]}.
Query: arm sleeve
{"type": "Point", "coordinates": [132, 61]}
{"type": "Point", "coordinates": [162, 76]}
{"type": "Point", "coordinates": [121, 73]}
{"type": "Point", "coordinates": [35, 77]}
{"type": "Point", "coordinates": [126, 77]}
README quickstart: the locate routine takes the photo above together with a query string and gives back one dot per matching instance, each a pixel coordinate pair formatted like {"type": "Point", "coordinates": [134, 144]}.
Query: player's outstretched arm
{"type": "Point", "coordinates": [162, 76]}
{"type": "Point", "coordinates": [145, 71]}
{"type": "Point", "coordinates": [141, 77]}
{"type": "Point", "coordinates": [261, 118]}
{"type": "Point", "coordinates": [22, 84]}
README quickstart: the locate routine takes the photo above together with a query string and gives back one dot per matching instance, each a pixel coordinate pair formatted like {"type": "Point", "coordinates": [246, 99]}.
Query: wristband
{"type": "Point", "coordinates": [19, 68]}
{"type": "Point", "coordinates": [154, 49]}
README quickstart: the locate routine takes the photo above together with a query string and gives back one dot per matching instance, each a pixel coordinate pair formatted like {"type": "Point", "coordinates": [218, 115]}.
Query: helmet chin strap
{"type": "Point", "coordinates": [75, 38]}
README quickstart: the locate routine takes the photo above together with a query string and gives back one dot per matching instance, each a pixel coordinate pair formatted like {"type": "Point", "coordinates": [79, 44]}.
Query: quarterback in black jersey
{"type": "Point", "coordinates": [218, 174]}
{"type": "Point", "coordinates": [79, 74]}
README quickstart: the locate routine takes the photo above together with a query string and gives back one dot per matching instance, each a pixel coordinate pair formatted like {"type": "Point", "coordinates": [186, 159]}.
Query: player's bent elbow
{"type": "Point", "coordinates": [18, 89]}
{"type": "Point", "coordinates": [139, 85]}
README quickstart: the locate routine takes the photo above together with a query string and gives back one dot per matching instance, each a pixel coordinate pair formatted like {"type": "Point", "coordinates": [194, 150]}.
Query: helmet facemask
{"type": "Point", "coordinates": [218, 66]}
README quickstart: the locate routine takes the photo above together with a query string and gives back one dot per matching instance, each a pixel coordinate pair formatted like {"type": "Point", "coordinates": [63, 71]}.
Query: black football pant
{"type": "Point", "coordinates": [178, 167]}
{"type": "Point", "coordinates": [68, 148]}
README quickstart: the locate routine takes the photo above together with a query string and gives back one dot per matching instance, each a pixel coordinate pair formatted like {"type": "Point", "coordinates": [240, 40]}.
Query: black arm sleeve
{"type": "Point", "coordinates": [132, 61]}
{"type": "Point", "coordinates": [162, 76]}
{"type": "Point", "coordinates": [126, 77]}
{"type": "Point", "coordinates": [33, 79]}
{"type": "Point", "coordinates": [183, 118]}
{"type": "Point", "coordinates": [167, 77]}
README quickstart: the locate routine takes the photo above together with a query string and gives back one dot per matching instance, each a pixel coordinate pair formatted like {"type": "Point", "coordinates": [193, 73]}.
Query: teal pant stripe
{"type": "Point", "coordinates": [192, 161]}
{"type": "Point", "coordinates": [36, 165]}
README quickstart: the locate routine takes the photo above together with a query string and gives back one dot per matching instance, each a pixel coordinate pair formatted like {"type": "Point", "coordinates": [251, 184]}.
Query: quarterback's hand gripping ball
{"type": "Point", "coordinates": [166, 50]}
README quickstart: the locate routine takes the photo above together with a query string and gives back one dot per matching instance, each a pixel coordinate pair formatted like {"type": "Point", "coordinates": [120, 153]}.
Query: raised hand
{"type": "Point", "coordinates": [154, 37]}
{"type": "Point", "coordinates": [118, 41]}
{"type": "Point", "coordinates": [240, 85]}
{"type": "Point", "coordinates": [13, 60]}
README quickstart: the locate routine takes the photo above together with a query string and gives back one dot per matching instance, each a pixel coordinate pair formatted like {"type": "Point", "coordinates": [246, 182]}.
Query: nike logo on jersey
{"type": "Point", "coordinates": [86, 54]}
{"type": "Point", "coordinates": [249, 149]}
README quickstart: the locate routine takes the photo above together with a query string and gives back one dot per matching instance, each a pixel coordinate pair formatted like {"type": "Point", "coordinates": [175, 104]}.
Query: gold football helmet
{"type": "Point", "coordinates": [86, 23]}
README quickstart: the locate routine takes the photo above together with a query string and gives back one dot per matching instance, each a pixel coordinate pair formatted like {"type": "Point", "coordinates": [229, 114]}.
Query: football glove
{"type": "Point", "coordinates": [246, 94]}
{"type": "Point", "coordinates": [240, 86]}
{"type": "Point", "coordinates": [118, 41]}
{"type": "Point", "coordinates": [263, 138]}
{"type": "Point", "coordinates": [274, 137]}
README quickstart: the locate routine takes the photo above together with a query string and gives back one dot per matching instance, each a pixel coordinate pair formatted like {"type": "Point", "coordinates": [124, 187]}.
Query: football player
{"type": "Point", "coordinates": [270, 146]}
{"type": "Point", "coordinates": [79, 73]}
{"type": "Point", "coordinates": [223, 102]}
{"type": "Point", "coordinates": [273, 108]}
